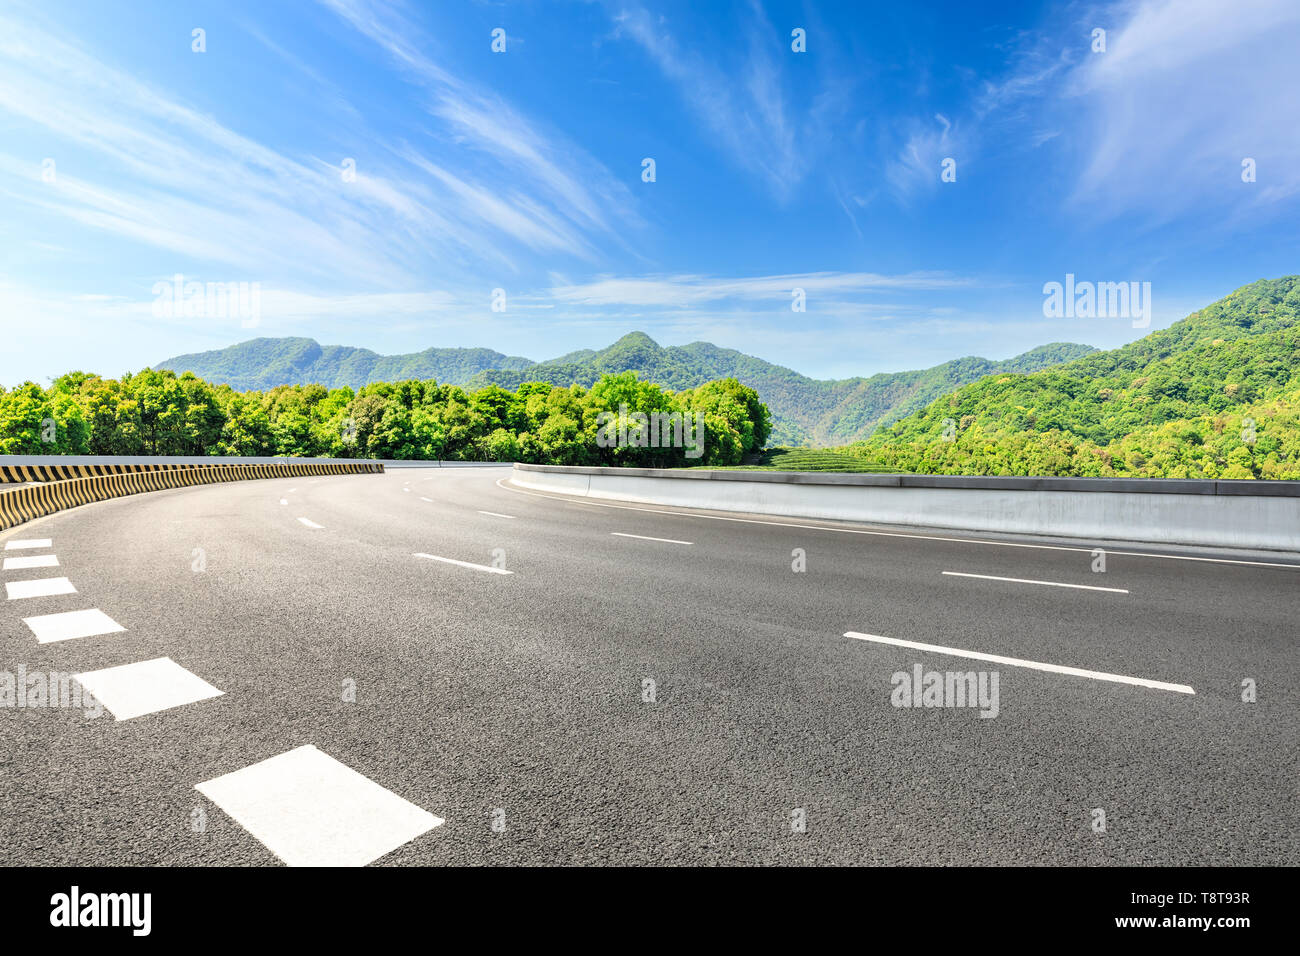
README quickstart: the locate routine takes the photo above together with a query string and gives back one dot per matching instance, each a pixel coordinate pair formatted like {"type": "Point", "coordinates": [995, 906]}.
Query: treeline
{"type": "Point", "coordinates": [161, 413]}
{"type": "Point", "coordinates": [1258, 441]}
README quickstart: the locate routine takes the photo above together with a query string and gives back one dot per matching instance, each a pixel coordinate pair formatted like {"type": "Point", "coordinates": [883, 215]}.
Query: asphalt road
{"type": "Point", "coordinates": [516, 707]}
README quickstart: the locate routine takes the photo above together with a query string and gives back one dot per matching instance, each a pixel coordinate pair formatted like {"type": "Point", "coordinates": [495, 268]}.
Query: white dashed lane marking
{"type": "Point", "coordinates": [40, 587]}
{"type": "Point", "coordinates": [430, 500]}
{"type": "Point", "coordinates": [643, 537]}
{"type": "Point", "coordinates": [1050, 584]}
{"type": "Point", "coordinates": [309, 523]}
{"type": "Point", "coordinates": [19, 543]}
{"type": "Point", "coordinates": [311, 810]}
{"type": "Point", "coordinates": [31, 561]}
{"type": "Point", "coordinates": [1020, 662]}
{"type": "Point", "coordinates": [495, 514]}
{"type": "Point", "coordinates": [71, 624]}
{"type": "Point", "coordinates": [146, 687]}
{"type": "Point", "coordinates": [464, 564]}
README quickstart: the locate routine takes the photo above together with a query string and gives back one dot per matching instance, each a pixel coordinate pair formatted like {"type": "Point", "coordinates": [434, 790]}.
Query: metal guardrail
{"type": "Point", "coordinates": [101, 482]}
{"type": "Point", "coordinates": [59, 467]}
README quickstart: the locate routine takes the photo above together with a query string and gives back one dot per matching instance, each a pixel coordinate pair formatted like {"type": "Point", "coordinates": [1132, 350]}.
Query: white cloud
{"type": "Point", "coordinates": [1185, 90]}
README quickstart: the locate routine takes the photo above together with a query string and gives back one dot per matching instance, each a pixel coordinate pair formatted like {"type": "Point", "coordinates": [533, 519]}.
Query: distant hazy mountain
{"type": "Point", "coordinates": [265, 363]}
{"type": "Point", "coordinates": [804, 410]}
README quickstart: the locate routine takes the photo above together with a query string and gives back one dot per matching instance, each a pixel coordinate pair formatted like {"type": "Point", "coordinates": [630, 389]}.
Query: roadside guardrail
{"type": "Point", "coordinates": [1249, 514]}
{"type": "Point", "coordinates": [61, 483]}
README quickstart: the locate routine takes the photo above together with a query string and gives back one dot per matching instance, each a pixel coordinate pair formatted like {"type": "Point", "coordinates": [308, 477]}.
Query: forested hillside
{"type": "Point", "coordinates": [265, 363]}
{"type": "Point", "coordinates": [805, 411]}
{"type": "Point", "coordinates": [1217, 394]}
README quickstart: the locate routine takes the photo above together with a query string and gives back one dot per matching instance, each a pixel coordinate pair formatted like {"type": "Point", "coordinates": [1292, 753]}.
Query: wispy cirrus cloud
{"type": "Point", "coordinates": [917, 162]}
{"type": "Point", "coordinates": [1008, 107]}
{"type": "Point", "coordinates": [741, 99]}
{"type": "Point", "coordinates": [1155, 126]}
{"type": "Point", "coordinates": [1185, 91]}
{"type": "Point", "coordinates": [567, 180]}
{"type": "Point", "coordinates": [153, 170]}
{"type": "Point", "coordinates": [680, 291]}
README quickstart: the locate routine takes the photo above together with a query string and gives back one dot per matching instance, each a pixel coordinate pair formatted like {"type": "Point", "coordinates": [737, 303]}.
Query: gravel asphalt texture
{"type": "Point", "coordinates": [527, 692]}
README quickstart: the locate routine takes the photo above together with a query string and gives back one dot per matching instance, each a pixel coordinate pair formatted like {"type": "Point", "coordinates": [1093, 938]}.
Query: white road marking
{"type": "Point", "coordinates": [406, 489]}
{"type": "Point", "coordinates": [644, 537]}
{"type": "Point", "coordinates": [1054, 584]}
{"type": "Point", "coordinates": [146, 687]}
{"type": "Point", "coordinates": [1019, 662]}
{"type": "Point", "coordinates": [39, 587]}
{"type": "Point", "coordinates": [309, 523]}
{"type": "Point", "coordinates": [49, 628]}
{"type": "Point", "coordinates": [463, 564]}
{"type": "Point", "coordinates": [891, 534]}
{"type": "Point", "coordinates": [284, 501]}
{"type": "Point", "coordinates": [33, 561]}
{"type": "Point", "coordinates": [311, 810]}
{"type": "Point", "coordinates": [496, 514]}
{"type": "Point", "coordinates": [19, 543]}
{"type": "Point", "coordinates": [430, 500]}
{"type": "Point", "coordinates": [292, 490]}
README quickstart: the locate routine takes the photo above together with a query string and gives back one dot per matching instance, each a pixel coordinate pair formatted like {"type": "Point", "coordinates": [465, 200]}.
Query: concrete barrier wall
{"type": "Point", "coordinates": [48, 496]}
{"type": "Point", "coordinates": [443, 464]}
{"type": "Point", "coordinates": [1238, 514]}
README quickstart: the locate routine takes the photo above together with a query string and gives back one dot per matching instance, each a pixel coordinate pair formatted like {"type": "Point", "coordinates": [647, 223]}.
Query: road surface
{"type": "Point", "coordinates": [640, 687]}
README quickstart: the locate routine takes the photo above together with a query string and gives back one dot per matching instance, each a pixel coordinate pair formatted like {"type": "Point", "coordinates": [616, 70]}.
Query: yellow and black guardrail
{"type": "Point", "coordinates": [24, 473]}
{"type": "Point", "coordinates": [59, 487]}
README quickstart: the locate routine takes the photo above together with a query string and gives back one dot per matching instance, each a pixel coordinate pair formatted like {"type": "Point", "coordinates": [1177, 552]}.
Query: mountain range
{"type": "Point", "coordinates": [1216, 394]}
{"type": "Point", "coordinates": [805, 411]}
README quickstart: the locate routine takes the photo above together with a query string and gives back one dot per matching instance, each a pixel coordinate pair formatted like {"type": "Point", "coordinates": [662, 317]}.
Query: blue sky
{"type": "Point", "coordinates": [522, 171]}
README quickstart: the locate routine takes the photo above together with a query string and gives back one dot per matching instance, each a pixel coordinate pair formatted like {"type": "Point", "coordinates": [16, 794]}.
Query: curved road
{"type": "Point", "coordinates": [642, 687]}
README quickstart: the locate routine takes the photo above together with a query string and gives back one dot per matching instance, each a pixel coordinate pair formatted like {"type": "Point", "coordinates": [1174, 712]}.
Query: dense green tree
{"type": "Point", "coordinates": [156, 412]}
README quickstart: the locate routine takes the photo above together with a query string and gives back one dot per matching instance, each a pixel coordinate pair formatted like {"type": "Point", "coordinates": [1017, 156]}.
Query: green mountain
{"type": "Point", "coordinates": [265, 363]}
{"type": "Point", "coordinates": [1214, 395]}
{"type": "Point", "coordinates": [804, 410]}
